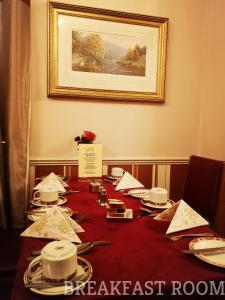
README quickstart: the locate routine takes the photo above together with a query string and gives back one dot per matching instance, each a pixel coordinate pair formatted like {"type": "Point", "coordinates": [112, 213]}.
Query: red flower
{"type": "Point", "coordinates": [86, 138]}
{"type": "Point", "coordinates": [89, 135]}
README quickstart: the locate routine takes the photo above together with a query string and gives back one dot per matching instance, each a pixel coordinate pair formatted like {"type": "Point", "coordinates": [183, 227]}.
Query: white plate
{"type": "Point", "coordinates": [127, 215]}
{"type": "Point", "coordinates": [37, 201]}
{"type": "Point", "coordinates": [83, 266]}
{"type": "Point", "coordinates": [138, 193]}
{"type": "Point", "coordinates": [165, 206]}
{"type": "Point", "coordinates": [36, 213]}
{"type": "Point", "coordinates": [217, 259]}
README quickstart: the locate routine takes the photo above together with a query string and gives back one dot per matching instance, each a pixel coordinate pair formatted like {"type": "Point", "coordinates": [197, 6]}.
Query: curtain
{"type": "Point", "coordinates": [15, 105]}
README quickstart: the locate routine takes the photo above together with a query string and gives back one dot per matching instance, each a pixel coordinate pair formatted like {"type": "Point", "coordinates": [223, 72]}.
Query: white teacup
{"type": "Point", "coordinates": [157, 196]}
{"type": "Point", "coordinates": [47, 195]}
{"type": "Point", "coordinates": [117, 172]}
{"type": "Point", "coordinates": [58, 261]}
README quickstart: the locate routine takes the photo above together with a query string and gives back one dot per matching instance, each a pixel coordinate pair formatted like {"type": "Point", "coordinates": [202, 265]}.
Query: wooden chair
{"type": "Point", "coordinates": [203, 187]}
{"type": "Point", "coordinates": [219, 224]}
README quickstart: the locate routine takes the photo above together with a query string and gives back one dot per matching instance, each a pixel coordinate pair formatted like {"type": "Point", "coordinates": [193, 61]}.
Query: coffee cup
{"type": "Point", "coordinates": [47, 195]}
{"type": "Point", "coordinates": [117, 172]}
{"type": "Point", "coordinates": [58, 261]}
{"type": "Point", "coordinates": [157, 196]}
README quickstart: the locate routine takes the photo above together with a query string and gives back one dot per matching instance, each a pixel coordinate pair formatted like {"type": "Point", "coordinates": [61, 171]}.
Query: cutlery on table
{"type": "Point", "coordinates": [213, 250]}
{"type": "Point", "coordinates": [180, 236]}
{"type": "Point", "coordinates": [46, 284]}
{"type": "Point", "coordinates": [81, 248]}
{"type": "Point", "coordinates": [41, 212]}
{"type": "Point", "coordinates": [68, 192]}
{"type": "Point", "coordinates": [148, 212]}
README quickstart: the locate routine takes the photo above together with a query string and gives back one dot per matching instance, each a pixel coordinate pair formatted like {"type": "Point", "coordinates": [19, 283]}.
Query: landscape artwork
{"type": "Point", "coordinates": [108, 53]}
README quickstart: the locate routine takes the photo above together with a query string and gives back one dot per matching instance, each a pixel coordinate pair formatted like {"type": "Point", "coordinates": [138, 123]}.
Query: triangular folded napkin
{"type": "Point", "coordinates": [127, 181]}
{"type": "Point", "coordinates": [52, 181]}
{"type": "Point", "coordinates": [182, 217]}
{"type": "Point", "coordinates": [54, 225]}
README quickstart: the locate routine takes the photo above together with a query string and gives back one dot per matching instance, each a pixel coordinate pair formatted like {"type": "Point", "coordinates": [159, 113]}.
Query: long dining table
{"type": "Point", "coordinates": [140, 260]}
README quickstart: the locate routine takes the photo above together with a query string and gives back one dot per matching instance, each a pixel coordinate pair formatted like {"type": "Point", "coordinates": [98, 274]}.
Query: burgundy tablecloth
{"type": "Point", "coordinates": [140, 256]}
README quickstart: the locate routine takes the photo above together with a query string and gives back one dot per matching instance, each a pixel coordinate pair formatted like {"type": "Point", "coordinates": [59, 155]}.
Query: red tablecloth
{"type": "Point", "coordinates": [140, 257]}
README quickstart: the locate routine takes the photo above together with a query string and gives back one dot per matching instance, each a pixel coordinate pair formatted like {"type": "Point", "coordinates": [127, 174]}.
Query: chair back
{"type": "Point", "coordinates": [202, 186]}
{"type": "Point", "coordinates": [219, 224]}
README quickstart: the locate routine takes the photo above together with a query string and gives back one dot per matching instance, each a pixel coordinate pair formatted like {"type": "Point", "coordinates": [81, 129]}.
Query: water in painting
{"type": "Point", "coordinates": [108, 53]}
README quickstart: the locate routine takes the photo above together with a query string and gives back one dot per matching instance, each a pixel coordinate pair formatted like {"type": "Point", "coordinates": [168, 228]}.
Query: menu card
{"type": "Point", "coordinates": [90, 160]}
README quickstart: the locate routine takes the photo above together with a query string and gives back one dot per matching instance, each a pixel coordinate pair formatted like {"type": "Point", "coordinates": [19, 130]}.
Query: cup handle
{"type": "Point", "coordinates": [32, 269]}
{"type": "Point", "coordinates": [36, 194]}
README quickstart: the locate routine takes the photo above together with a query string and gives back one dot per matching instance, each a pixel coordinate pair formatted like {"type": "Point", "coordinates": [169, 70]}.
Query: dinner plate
{"type": "Point", "coordinates": [168, 204]}
{"type": "Point", "coordinates": [216, 259]}
{"type": "Point", "coordinates": [83, 266]}
{"type": "Point", "coordinates": [138, 193]}
{"type": "Point", "coordinates": [37, 201]}
{"type": "Point", "coordinates": [35, 214]}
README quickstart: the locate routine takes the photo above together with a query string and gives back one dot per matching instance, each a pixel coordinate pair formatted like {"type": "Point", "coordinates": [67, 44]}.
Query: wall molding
{"type": "Point", "coordinates": [111, 161]}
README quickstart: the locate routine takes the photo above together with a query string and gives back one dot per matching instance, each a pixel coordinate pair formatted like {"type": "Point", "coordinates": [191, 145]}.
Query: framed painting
{"type": "Point", "coordinates": [105, 55]}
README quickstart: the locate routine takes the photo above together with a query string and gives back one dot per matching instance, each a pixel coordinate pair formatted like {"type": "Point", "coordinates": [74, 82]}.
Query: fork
{"type": "Point", "coordinates": [180, 236]}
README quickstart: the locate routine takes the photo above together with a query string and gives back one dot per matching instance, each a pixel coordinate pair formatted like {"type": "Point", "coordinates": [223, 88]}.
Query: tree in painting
{"type": "Point", "coordinates": [88, 52]}
{"type": "Point", "coordinates": [134, 59]}
{"type": "Point", "coordinates": [94, 52]}
{"type": "Point", "coordinates": [103, 53]}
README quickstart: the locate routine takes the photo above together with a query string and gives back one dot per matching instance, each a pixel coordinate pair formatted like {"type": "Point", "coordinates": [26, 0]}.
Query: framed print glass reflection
{"type": "Point", "coordinates": [106, 55]}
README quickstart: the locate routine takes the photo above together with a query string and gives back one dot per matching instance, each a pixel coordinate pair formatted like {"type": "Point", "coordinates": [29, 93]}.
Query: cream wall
{"type": "Point", "coordinates": [127, 130]}
{"type": "Point", "coordinates": [212, 129]}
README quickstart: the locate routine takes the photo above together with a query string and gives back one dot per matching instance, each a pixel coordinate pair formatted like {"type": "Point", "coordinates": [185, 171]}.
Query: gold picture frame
{"type": "Point", "coordinates": [100, 54]}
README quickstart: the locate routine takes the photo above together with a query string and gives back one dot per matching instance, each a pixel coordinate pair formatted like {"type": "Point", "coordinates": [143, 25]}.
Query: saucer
{"type": "Point", "coordinates": [127, 215]}
{"type": "Point", "coordinates": [36, 213]}
{"type": "Point", "coordinates": [37, 201]}
{"type": "Point", "coordinates": [83, 266]}
{"type": "Point", "coordinates": [168, 204]}
{"type": "Point", "coordinates": [138, 193]}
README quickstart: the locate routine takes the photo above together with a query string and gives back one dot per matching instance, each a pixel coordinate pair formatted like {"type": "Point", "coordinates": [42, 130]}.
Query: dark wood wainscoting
{"type": "Point", "coordinates": [166, 173]}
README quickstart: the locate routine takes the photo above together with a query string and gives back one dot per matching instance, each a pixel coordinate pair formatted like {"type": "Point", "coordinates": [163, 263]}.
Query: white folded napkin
{"type": "Point", "coordinates": [52, 181]}
{"type": "Point", "coordinates": [182, 217]}
{"type": "Point", "coordinates": [54, 225]}
{"type": "Point", "coordinates": [127, 181]}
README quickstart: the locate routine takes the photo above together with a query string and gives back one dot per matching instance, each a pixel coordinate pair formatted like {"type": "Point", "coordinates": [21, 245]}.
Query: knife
{"type": "Point", "coordinates": [80, 247]}
{"type": "Point", "coordinates": [205, 250]}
